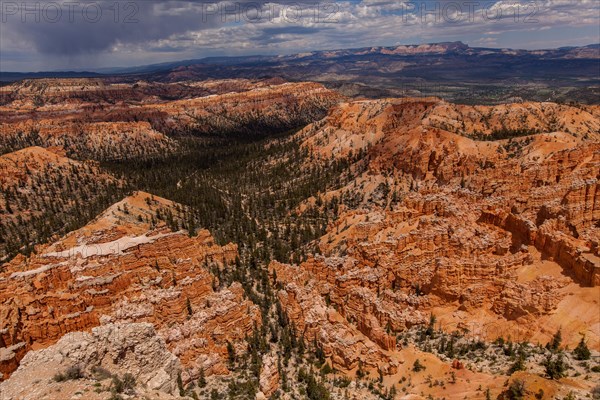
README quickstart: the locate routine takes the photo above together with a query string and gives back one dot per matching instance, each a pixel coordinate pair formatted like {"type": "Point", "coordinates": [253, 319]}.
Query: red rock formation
{"type": "Point", "coordinates": [104, 120]}
{"type": "Point", "coordinates": [439, 222]}
{"type": "Point", "coordinates": [345, 343]}
{"type": "Point", "coordinates": [119, 268]}
{"type": "Point", "coordinates": [456, 364]}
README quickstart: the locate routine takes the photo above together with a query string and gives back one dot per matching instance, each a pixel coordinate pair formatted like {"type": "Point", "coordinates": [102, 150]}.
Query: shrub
{"type": "Point", "coordinates": [72, 373]}
{"type": "Point", "coordinates": [342, 382]}
{"type": "Point", "coordinates": [117, 385]}
{"type": "Point", "coordinates": [596, 392]}
{"type": "Point", "coordinates": [101, 373]}
{"type": "Point", "coordinates": [516, 390]}
{"type": "Point", "coordinates": [417, 366]}
{"type": "Point", "coordinates": [128, 382]}
{"type": "Point", "coordinates": [123, 385]}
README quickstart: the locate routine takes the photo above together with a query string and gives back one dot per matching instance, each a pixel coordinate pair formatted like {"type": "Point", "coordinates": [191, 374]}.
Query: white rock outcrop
{"type": "Point", "coordinates": [132, 348]}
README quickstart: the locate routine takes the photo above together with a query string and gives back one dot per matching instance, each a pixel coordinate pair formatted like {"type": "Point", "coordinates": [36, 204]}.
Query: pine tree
{"type": "Point", "coordinates": [555, 366]}
{"type": "Point", "coordinates": [516, 390]}
{"type": "Point", "coordinates": [417, 366]}
{"type": "Point", "coordinates": [201, 379]}
{"type": "Point", "coordinates": [556, 341]}
{"type": "Point", "coordinates": [518, 365]}
{"type": "Point", "coordinates": [180, 385]}
{"type": "Point", "coordinates": [231, 354]}
{"type": "Point", "coordinates": [582, 352]}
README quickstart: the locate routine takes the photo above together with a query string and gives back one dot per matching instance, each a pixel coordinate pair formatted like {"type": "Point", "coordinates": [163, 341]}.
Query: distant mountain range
{"type": "Point", "coordinates": [451, 70]}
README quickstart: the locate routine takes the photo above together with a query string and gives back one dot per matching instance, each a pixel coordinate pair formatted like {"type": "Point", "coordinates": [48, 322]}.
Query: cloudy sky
{"type": "Point", "coordinates": [74, 35]}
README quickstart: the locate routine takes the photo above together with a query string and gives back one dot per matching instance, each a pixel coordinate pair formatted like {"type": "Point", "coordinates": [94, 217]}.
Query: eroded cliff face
{"type": "Point", "coordinates": [104, 120]}
{"type": "Point", "coordinates": [126, 267]}
{"type": "Point", "coordinates": [65, 92]}
{"type": "Point", "coordinates": [497, 236]}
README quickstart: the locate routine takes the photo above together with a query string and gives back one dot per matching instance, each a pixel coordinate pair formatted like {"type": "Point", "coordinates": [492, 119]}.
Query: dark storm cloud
{"type": "Point", "coordinates": [90, 29]}
{"type": "Point", "coordinates": [71, 27]}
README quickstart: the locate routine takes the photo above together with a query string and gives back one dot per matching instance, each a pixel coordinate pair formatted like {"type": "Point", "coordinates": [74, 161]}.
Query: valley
{"type": "Point", "coordinates": [267, 239]}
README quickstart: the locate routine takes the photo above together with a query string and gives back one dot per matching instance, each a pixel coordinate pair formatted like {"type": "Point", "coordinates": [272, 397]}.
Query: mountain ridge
{"type": "Point", "coordinates": [436, 47]}
{"type": "Point", "coordinates": [452, 70]}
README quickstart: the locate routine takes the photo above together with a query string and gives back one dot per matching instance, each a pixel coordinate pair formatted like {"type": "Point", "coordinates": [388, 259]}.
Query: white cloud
{"type": "Point", "coordinates": [182, 29]}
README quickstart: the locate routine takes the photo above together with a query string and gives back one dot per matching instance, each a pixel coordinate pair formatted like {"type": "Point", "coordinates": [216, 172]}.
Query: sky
{"type": "Point", "coordinates": [44, 35]}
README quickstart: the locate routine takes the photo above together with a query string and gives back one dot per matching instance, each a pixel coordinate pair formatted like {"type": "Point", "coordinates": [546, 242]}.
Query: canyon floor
{"type": "Point", "coordinates": [260, 239]}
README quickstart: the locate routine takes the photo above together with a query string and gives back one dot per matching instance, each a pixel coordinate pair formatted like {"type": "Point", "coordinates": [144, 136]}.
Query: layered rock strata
{"type": "Point", "coordinates": [126, 267]}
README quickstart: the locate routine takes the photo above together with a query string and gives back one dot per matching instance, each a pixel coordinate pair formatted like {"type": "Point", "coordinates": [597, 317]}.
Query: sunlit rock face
{"type": "Point", "coordinates": [124, 267]}
{"type": "Point", "coordinates": [486, 217]}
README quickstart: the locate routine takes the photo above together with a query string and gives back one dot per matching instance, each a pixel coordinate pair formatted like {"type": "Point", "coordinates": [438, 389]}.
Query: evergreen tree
{"type": "Point", "coordinates": [189, 308]}
{"type": "Point", "coordinates": [581, 352]}
{"type": "Point", "coordinates": [555, 366]}
{"type": "Point", "coordinates": [201, 379]}
{"type": "Point", "coordinates": [555, 343]}
{"type": "Point", "coordinates": [417, 366]}
{"type": "Point", "coordinates": [518, 365]}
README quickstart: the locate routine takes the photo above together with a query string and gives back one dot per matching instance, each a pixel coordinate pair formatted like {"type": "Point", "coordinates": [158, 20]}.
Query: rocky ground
{"type": "Point", "coordinates": [128, 359]}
